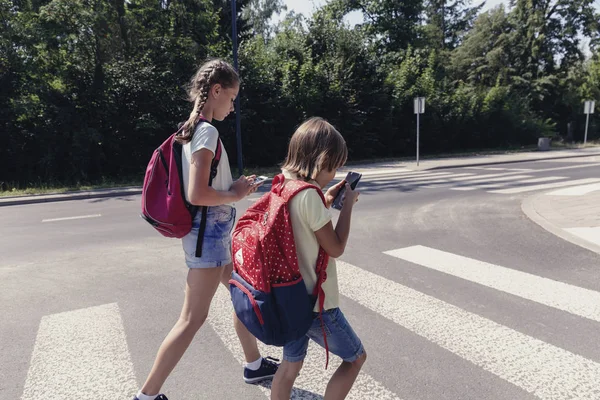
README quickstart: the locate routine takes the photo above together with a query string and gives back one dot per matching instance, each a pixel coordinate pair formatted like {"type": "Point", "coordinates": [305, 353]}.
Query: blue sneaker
{"type": "Point", "coordinates": [159, 397]}
{"type": "Point", "coordinates": [267, 370]}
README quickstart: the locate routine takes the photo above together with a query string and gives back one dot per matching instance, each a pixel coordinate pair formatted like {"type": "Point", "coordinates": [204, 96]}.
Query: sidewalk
{"type": "Point", "coordinates": [572, 213]}
{"type": "Point", "coordinates": [427, 164]}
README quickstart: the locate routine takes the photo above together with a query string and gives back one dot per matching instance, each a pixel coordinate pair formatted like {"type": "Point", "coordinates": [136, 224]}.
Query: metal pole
{"type": "Point", "coordinates": [418, 113]}
{"type": "Point", "coordinates": [238, 121]}
{"type": "Point", "coordinates": [587, 121]}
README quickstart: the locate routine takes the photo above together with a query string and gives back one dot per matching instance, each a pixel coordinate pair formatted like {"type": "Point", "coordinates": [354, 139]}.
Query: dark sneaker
{"type": "Point", "coordinates": [267, 370]}
{"type": "Point", "coordinates": [159, 397]}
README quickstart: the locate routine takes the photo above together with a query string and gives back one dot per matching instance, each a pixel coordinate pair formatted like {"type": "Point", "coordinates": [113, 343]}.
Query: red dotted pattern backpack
{"type": "Point", "coordinates": [267, 289]}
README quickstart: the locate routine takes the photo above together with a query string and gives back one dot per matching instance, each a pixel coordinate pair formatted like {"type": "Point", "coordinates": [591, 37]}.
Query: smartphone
{"type": "Point", "coordinates": [259, 180]}
{"type": "Point", "coordinates": [352, 178]}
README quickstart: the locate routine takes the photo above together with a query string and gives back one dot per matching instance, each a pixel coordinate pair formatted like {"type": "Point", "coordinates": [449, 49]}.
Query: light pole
{"type": "Point", "coordinates": [238, 122]}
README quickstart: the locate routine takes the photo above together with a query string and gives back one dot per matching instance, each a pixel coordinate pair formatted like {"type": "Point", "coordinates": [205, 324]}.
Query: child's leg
{"type": "Point", "coordinates": [248, 341]}
{"type": "Point", "coordinates": [342, 380]}
{"type": "Point", "coordinates": [285, 377]}
{"type": "Point", "coordinates": [293, 358]}
{"type": "Point", "coordinates": [344, 343]}
{"type": "Point", "coordinates": [201, 286]}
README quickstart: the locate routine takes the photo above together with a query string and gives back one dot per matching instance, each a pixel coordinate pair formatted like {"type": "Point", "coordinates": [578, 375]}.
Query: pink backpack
{"type": "Point", "coordinates": [164, 205]}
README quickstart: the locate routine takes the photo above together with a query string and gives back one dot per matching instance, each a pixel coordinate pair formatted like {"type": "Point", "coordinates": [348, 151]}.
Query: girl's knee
{"type": "Point", "coordinates": [192, 323]}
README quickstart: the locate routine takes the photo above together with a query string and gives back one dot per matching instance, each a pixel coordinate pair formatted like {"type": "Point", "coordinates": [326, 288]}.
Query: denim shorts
{"type": "Point", "coordinates": [341, 338]}
{"type": "Point", "coordinates": [216, 249]}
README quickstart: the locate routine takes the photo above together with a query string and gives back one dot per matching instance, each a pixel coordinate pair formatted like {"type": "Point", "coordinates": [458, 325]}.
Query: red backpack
{"type": "Point", "coordinates": [164, 204]}
{"type": "Point", "coordinates": [268, 292]}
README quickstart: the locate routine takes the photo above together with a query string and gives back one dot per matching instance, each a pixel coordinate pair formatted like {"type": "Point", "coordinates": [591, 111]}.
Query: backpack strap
{"type": "Point", "coordinates": [322, 259]}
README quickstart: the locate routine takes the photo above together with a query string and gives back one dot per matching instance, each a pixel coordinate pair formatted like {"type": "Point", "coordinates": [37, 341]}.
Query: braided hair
{"type": "Point", "coordinates": [212, 72]}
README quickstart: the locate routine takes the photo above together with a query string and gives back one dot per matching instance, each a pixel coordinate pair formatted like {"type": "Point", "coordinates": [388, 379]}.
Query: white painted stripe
{"type": "Point", "coordinates": [536, 180]}
{"type": "Point", "coordinates": [577, 190]}
{"type": "Point", "coordinates": [425, 179]}
{"type": "Point", "coordinates": [545, 186]}
{"type": "Point", "coordinates": [384, 172]}
{"type": "Point", "coordinates": [579, 301]}
{"type": "Point", "coordinates": [564, 168]}
{"type": "Point", "coordinates": [591, 234]}
{"type": "Point", "coordinates": [503, 169]}
{"type": "Point", "coordinates": [72, 218]}
{"type": "Point", "coordinates": [387, 172]}
{"type": "Point", "coordinates": [569, 167]}
{"type": "Point", "coordinates": [462, 188]}
{"type": "Point", "coordinates": [547, 371]}
{"type": "Point", "coordinates": [544, 179]}
{"type": "Point", "coordinates": [474, 180]}
{"type": "Point", "coordinates": [313, 378]}
{"type": "Point", "coordinates": [78, 353]}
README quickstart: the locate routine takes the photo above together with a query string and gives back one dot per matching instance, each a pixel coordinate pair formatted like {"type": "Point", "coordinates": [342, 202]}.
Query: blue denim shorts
{"type": "Point", "coordinates": [216, 249]}
{"type": "Point", "coordinates": [341, 338]}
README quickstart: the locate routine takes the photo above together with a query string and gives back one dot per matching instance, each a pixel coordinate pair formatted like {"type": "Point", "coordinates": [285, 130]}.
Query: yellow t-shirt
{"type": "Point", "coordinates": [308, 215]}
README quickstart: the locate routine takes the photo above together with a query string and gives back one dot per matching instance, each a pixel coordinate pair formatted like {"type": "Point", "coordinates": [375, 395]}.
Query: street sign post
{"type": "Point", "coordinates": [419, 109]}
{"type": "Point", "coordinates": [588, 109]}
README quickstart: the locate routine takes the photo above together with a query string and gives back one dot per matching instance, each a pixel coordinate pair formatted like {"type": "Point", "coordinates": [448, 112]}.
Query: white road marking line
{"type": "Point", "coordinates": [573, 299]}
{"type": "Point", "coordinates": [72, 218]}
{"type": "Point", "coordinates": [475, 180]}
{"type": "Point", "coordinates": [502, 169]}
{"type": "Point", "coordinates": [495, 185]}
{"type": "Point", "coordinates": [313, 378]}
{"type": "Point", "coordinates": [547, 371]}
{"type": "Point", "coordinates": [545, 186]}
{"type": "Point", "coordinates": [576, 191]}
{"type": "Point", "coordinates": [366, 173]}
{"type": "Point", "coordinates": [544, 179]}
{"type": "Point", "coordinates": [80, 352]}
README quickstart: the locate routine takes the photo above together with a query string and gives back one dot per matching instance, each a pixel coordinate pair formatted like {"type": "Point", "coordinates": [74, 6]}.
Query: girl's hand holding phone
{"type": "Point", "coordinates": [333, 192]}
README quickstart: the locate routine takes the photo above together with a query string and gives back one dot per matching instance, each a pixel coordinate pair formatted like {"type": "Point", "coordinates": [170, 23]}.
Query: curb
{"type": "Point", "coordinates": [528, 208]}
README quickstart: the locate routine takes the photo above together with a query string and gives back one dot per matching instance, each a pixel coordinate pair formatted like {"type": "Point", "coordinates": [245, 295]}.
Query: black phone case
{"type": "Point", "coordinates": [352, 178]}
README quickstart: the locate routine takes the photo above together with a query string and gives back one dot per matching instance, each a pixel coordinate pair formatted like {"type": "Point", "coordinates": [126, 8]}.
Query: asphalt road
{"type": "Point", "coordinates": [455, 293]}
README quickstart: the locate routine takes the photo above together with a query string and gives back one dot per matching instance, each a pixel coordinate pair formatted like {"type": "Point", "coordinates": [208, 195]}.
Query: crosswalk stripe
{"type": "Point", "coordinates": [313, 379]}
{"type": "Point", "coordinates": [577, 190]}
{"type": "Point", "coordinates": [547, 371]}
{"type": "Point", "coordinates": [78, 352]}
{"type": "Point", "coordinates": [417, 181]}
{"type": "Point", "coordinates": [496, 185]}
{"type": "Point", "coordinates": [502, 169]}
{"type": "Point", "coordinates": [397, 172]}
{"type": "Point", "coordinates": [544, 179]}
{"type": "Point", "coordinates": [427, 178]}
{"type": "Point", "coordinates": [473, 181]}
{"type": "Point", "coordinates": [576, 300]}
{"type": "Point", "coordinates": [545, 186]}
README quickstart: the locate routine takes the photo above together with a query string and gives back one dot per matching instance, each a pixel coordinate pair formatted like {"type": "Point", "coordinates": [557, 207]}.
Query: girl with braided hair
{"type": "Point", "coordinates": [212, 90]}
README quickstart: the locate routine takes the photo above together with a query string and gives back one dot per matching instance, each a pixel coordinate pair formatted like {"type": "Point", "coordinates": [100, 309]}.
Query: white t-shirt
{"type": "Point", "coordinates": [308, 214]}
{"type": "Point", "coordinates": [206, 137]}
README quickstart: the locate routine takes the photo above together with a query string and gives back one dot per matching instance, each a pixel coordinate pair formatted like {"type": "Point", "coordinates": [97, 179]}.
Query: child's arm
{"type": "Point", "coordinates": [200, 194]}
{"type": "Point", "coordinates": [334, 241]}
